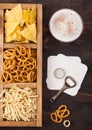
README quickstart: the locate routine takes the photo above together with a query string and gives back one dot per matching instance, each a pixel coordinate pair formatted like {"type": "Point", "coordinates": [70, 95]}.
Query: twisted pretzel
{"type": "Point", "coordinates": [6, 77]}
{"type": "Point", "coordinates": [61, 113]}
{"type": "Point", "coordinates": [55, 118]}
{"type": "Point", "coordinates": [29, 52]}
{"type": "Point", "coordinates": [34, 52]}
{"type": "Point", "coordinates": [8, 54]}
{"type": "Point", "coordinates": [32, 76]}
{"type": "Point", "coordinates": [19, 51]}
{"type": "Point", "coordinates": [30, 63]}
{"type": "Point", "coordinates": [24, 75]}
{"type": "Point", "coordinates": [9, 64]}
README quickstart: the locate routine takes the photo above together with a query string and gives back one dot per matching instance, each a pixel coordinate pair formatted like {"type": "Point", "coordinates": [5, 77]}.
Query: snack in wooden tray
{"type": "Point", "coordinates": [20, 24]}
{"type": "Point", "coordinates": [19, 104]}
{"type": "Point", "coordinates": [19, 65]}
{"type": "Point", "coordinates": [61, 113]}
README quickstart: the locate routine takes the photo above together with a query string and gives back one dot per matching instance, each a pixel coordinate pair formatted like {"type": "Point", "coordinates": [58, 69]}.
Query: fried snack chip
{"type": "Point", "coordinates": [14, 15]}
{"type": "Point", "coordinates": [26, 16]}
{"type": "Point", "coordinates": [29, 33]}
{"type": "Point", "coordinates": [11, 26]}
{"type": "Point", "coordinates": [33, 15]}
{"type": "Point", "coordinates": [20, 24]}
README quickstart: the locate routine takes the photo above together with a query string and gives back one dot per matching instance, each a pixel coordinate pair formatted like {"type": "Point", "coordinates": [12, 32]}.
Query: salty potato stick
{"type": "Point", "coordinates": [8, 95]}
{"type": "Point", "coordinates": [22, 109]}
{"type": "Point", "coordinates": [2, 100]}
{"type": "Point", "coordinates": [21, 115]}
{"type": "Point", "coordinates": [17, 115]}
{"type": "Point", "coordinates": [16, 95]}
{"type": "Point", "coordinates": [14, 114]}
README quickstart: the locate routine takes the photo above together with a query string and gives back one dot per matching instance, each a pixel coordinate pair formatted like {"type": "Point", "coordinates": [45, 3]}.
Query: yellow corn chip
{"type": "Point", "coordinates": [15, 14]}
{"type": "Point", "coordinates": [11, 37]}
{"type": "Point", "coordinates": [10, 27]}
{"type": "Point", "coordinates": [33, 15]}
{"type": "Point", "coordinates": [8, 16]}
{"type": "Point", "coordinates": [29, 32]}
{"type": "Point", "coordinates": [19, 37]}
{"type": "Point", "coordinates": [26, 16]}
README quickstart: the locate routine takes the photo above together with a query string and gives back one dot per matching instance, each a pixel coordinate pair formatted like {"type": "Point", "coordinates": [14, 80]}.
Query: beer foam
{"type": "Point", "coordinates": [66, 25]}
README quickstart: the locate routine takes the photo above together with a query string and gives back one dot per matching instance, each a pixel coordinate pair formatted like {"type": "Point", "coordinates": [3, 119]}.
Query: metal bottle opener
{"type": "Point", "coordinates": [67, 85]}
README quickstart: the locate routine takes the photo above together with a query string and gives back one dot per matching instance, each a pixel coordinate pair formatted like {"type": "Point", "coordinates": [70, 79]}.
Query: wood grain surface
{"type": "Point", "coordinates": [80, 105]}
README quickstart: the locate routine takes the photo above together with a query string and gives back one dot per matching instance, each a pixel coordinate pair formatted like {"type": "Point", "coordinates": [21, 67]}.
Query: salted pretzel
{"type": "Point", "coordinates": [61, 113]}
{"type": "Point", "coordinates": [24, 75]}
{"type": "Point", "coordinates": [14, 73]}
{"type": "Point", "coordinates": [8, 54]}
{"type": "Point", "coordinates": [9, 64]}
{"type": "Point", "coordinates": [30, 63]}
{"type": "Point", "coordinates": [32, 76]}
{"type": "Point", "coordinates": [19, 78]}
{"type": "Point", "coordinates": [55, 118]}
{"type": "Point", "coordinates": [29, 52]}
{"type": "Point", "coordinates": [6, 77]}
{"type": "Point", "coordinates": [19, 51]}
{"type": "Point", "coordinates": [34, 52]}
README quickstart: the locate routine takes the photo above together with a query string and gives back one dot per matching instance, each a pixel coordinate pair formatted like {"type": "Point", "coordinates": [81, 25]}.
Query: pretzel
{"type": "Point", "coordinates": [6, 77]}
{"type": "Point", "coordinates": [34, 52]}
{"type": "Point", "coordinates": [9, 64]}
{"type": "Point", "coordinates": [21, 58]}
{"type": "Point", "coordinates": [29, 52]}
{"type": "Point", "coordinates": [14, 73]}
{"type": "Point", "coordinates": [55, 118]}
{"type": "Point", "coordinates": [18, 78]}
{"type": "Point", "coordinates": [30, 63]}
{"type": "Point", "coordinates": [19, 51]}
{"type": "Point", "coordinates": [32, 76]}
{"type": "Point", "coordinates": [9, 54]}
{"type": "Point", "coordinates": [24, 75]}
{"type": "Point", "coordinates": [61, 113]}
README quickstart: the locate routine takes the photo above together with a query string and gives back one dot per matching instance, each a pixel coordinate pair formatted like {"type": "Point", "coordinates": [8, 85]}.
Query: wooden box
{"type": "Point", "coordinates": [38, 83]}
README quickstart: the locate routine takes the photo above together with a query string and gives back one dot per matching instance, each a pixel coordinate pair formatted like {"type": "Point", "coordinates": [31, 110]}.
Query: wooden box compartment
{"type": "Point", "coordinates": [38, 83]}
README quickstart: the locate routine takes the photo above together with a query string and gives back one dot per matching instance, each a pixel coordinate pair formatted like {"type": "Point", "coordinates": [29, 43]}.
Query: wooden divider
{"type": "Point", "coordinates": [39, 64]}
{"type": "Point", "coordinates": [1, 57]}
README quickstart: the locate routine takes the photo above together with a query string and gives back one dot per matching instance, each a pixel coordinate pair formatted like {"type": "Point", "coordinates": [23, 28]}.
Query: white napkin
{"type": "Point", "coordinates": [72, 67]}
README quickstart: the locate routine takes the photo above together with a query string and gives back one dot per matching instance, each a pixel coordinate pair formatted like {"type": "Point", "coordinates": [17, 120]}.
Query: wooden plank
{"type": "Point", "coordinates": [21, 85]}
{"type": "Point", "coordinates": [27, 45]}
{"type": "Point", "coordinates": [1, 56]}
{"type": "Point", "coordinates": [39, 64]}
{"type": "Point", "coordinates": [28, 6]}
{"type": "Point", "coordinates": [15, 124]}
{"type": "Point", "coordinates": [11, 5]}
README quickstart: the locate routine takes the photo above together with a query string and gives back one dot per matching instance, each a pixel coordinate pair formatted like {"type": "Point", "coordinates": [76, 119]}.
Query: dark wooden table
{"type": "Point", "coordinates": [80, 105]}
